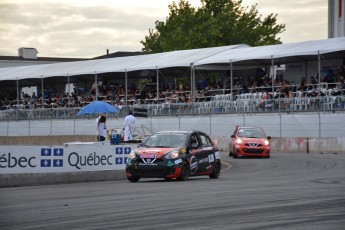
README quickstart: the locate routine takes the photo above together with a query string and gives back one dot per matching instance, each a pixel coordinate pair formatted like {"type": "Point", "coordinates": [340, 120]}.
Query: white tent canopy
{"type": "Point", "coordinates": [309, 48]}
{"type": "Point", "coordinates": [183, 58]}
{"type": "Point", "coordinates": [121, 64]}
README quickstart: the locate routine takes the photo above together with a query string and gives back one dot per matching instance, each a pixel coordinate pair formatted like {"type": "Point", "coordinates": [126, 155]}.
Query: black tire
{"type": "Point", "coordinates": [235, 155]}
{"type": "Point", "coordinates": [184, 172]}
{"type": "Point", "coordinates": [216, 170]}
{"type": "Point", "coordinates": [133, 178]}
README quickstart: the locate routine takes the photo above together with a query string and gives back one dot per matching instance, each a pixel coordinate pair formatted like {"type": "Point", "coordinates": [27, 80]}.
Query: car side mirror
{"type": "Point", "coordinates": [268, 137]}
{"type": "Point", "coordinates": [232, 136]}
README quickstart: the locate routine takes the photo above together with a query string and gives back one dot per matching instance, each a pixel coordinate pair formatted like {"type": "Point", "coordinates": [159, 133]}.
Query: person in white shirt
{"type": "Point", "coordinates": [128, 125]}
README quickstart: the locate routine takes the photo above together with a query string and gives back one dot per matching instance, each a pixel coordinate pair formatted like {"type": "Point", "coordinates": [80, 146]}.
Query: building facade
{"type": "Point", "coordinates": [336, 19]}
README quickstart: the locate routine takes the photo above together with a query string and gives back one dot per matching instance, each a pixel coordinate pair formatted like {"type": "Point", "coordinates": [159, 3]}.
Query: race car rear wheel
{"type": "Point", "coordinates": [133, 178]}
{"type": "Point", "coordinates": [184, 172]}
{"type": "Point", "coordinates": [216, 170]}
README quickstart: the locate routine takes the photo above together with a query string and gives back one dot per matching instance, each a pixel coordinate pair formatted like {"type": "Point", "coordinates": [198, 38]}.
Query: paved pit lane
{"type": "Point", "coordinates": [287, 191]}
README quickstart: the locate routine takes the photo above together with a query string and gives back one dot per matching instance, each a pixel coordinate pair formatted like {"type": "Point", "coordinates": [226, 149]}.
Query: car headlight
{"type": "Point", "coordinates": [172, 155]}
{"type": "Point", "coordinates": [266, 142]}
{"type": "Point", "coordinates": [132, 155]}
{"type": "Point", "coordinates": [239, 141]}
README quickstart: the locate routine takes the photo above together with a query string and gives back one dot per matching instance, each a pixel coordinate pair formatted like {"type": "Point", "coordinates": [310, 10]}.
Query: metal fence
{"type": "Point", "coordinates": [220, 104]}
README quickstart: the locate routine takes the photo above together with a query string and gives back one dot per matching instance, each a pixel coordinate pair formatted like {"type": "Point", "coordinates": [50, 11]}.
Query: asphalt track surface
{"type": "Point", "coordinates": [287, 191]}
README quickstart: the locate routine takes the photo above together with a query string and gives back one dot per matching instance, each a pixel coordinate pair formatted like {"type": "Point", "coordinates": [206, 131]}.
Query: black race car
{"type": "Point", "coordinates": [174, 154]}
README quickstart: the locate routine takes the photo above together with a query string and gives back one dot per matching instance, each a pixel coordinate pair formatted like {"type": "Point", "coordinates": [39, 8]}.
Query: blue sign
{"type": "Point", "coordinates": [58, 152]}
{"type": "Point", "coordinates": [119, 150]}
{"type": "Point", "coordinates": [118, 160]}
{"type": "Point", "coordinates": [46, 152]}
{"type": "Point", "coordinates": [45, 162]}
{"type": "Point", "coordinates": [57, 163]}
{"type": "Point", "coordinates": [127, 150]}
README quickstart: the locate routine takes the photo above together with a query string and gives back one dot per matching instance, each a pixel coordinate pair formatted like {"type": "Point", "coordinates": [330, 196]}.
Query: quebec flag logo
{"type": "Point", "coordinates": [57, 163]}
{"type": "Point", "coordinates": [119, 150]}
{"type": "Point", "coordinates": [58, 152]}
{"type": "Point", "coordinates": [46, 152]}
{"type": "Point", "coordinates": [45, 163]}
{"type": "Point", "coordinates": [127, 150]}
{"type": "Point", "coordinates": [51, 157]}
{"type": "Point", "coordinates": [118, 160]}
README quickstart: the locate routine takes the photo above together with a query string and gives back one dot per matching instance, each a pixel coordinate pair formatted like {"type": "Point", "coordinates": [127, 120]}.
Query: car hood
{"type": "Point", "coordinates": [254, 140]}
{"type": "Point", "coordinates": [145, 152]}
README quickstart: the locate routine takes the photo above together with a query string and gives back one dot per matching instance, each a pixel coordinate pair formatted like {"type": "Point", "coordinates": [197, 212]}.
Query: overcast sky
{"type": "Point", "coordinates": [87, 28]}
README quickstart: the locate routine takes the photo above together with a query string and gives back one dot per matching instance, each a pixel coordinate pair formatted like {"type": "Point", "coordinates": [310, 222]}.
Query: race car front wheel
{"type": "Point", "coordinates": [216, 170]}
{"type": "Point", "coordinates": [133, 178]}
{"type": "Point", "coordinates": [184, 172]}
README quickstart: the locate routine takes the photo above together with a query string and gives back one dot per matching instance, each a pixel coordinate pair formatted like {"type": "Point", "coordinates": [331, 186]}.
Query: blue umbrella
{"type": "Point", "coordinates": [98, 107]}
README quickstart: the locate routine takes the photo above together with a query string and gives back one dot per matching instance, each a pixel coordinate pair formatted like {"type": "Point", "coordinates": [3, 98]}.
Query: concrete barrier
{"type": "Point", "coordinates": [29, 179]}
{"type": "Point", "coordinates": [283, 144]}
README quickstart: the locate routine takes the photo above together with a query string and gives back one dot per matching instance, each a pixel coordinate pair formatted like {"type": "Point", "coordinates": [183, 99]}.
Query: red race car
{"type": "Point", "coordinates": [249, 142]}
{"type": "Point", "coordinates": [174, 154]}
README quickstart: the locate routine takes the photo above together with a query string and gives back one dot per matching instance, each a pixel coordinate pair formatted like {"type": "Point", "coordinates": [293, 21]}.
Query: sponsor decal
{"type": "Point", "coordinates": [210, 158]}
{"type": "Point", "coordinates": [152, 164]}
{"type": "Point", "coordinates": [178, 161]}
{"type": "Point", "coordinates": [207, 148]}
{"type": "Point", "coordinates": [216, 155]}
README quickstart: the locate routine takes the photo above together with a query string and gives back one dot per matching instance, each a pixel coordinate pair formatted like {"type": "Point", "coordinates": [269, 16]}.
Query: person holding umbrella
{"type": "Point", "coordinates": [102, 128]}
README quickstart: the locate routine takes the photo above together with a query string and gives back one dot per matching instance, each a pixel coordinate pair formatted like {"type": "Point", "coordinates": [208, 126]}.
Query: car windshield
{"type": "Point", "coordinates": [251, 133]}
{"type": "Point", "coordinates": [166, 140]}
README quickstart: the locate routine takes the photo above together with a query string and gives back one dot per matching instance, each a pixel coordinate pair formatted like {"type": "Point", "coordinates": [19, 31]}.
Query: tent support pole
{"type": "Point", "coordinates": [42, 89]}
{"type": "Point", "coordinates": [231, 80]}
{"type": "Point", "coordinates": [126, 88]}
{"type": "Point", "coordinates": [69, 91]}
{"type": "Point", "coordinates": [157, 79]}
{"type": "Point", "coordinates": [319, 70]}
{"type": "Point", "coordinates": [17, 93]}
{"type": "Point", "coordinates": [273, 73]}
{"type": "Point", "coordinates": [96, 84]}
{"type": "Point", "coordinates": [192, 82]}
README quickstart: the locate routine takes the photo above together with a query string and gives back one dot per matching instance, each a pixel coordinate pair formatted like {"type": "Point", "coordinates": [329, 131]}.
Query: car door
{"type": "Point", "coordinates": [196, 151]}
{"type": "Point", "coordinates": [208, 150]}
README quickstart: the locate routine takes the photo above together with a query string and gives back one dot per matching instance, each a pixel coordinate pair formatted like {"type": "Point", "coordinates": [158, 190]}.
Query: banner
{"type": "Point", "coordinates": [67, 158]}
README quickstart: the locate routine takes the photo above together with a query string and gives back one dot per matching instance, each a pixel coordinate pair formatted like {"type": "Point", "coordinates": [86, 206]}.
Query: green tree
{"type": "Point", "coordinates": [214, 23]}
